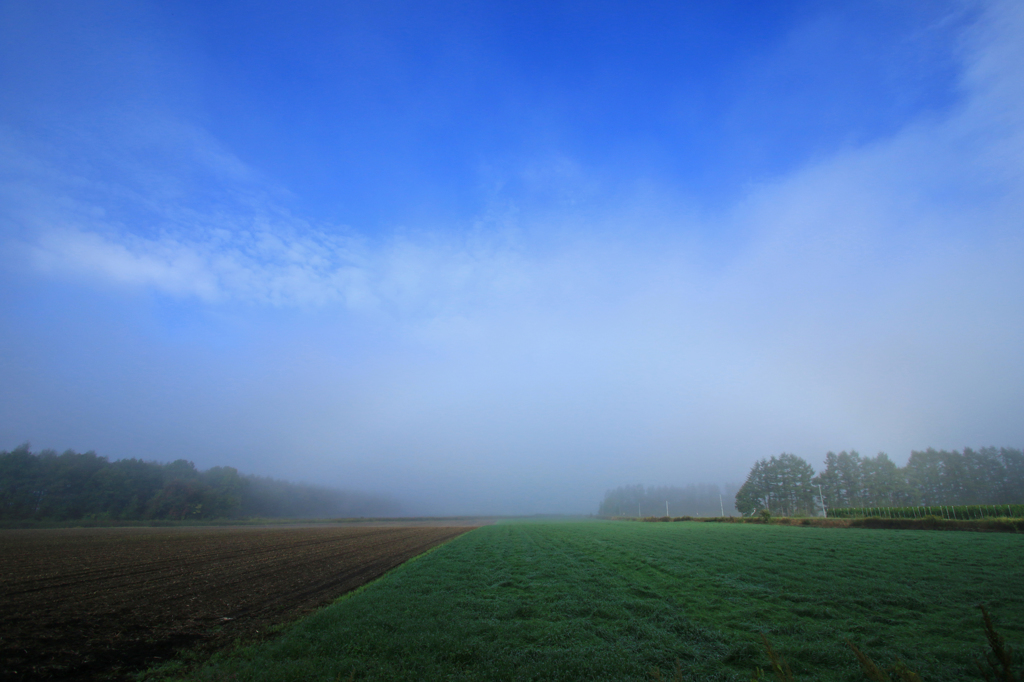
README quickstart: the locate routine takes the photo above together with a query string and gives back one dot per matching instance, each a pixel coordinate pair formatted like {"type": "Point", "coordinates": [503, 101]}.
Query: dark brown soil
{"type": "Point", "coordinates": [102, 603]}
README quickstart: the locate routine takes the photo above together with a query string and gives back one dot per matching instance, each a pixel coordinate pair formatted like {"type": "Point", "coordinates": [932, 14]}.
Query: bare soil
{"type": "Point", "coordinates": [102, 603]}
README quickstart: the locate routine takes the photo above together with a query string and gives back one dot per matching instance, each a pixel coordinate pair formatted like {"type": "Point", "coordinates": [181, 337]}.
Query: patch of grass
{"type": "Point", "coordinates": [617, 601]}
{"type": "Point", "coordinates": [999, 664]}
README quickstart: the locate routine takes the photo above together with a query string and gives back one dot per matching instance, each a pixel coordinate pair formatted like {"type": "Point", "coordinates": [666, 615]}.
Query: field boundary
{"type": "Point", "coordinates": [956, 512]}
{"type": "Point", "coordinates": [1003, 525]}
{"type": "Point", "coordinates": [382, 576]}
{"type": "Point", "coordinates": [189, 659]}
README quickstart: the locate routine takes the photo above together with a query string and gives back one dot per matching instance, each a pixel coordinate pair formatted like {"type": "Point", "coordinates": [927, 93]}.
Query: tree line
{"type": "Point", "coordinates": [692, 500]}
{"type": "Point", "coordinates": [75, 486]}
{"type": "Point", "coordinates": [787, 485]}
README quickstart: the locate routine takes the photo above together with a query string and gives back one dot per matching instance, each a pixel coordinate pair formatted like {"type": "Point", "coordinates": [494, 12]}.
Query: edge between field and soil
{"type": "Point", "coordinates": [190, 659]}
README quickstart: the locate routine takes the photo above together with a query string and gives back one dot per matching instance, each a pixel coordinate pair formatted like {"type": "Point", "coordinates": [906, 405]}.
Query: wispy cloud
{"type": "Point", "coordinates": [951, 179]}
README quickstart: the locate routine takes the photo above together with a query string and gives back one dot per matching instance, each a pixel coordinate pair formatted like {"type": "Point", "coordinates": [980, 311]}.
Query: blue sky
{"type": "Point", "coordinates": [499, 258]}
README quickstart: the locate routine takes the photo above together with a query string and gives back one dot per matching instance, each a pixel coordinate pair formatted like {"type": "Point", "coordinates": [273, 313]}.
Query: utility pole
{"type": "Point", "coordinates": [721, 505]}
{"type": "Point", "coordinates": [666, 508]}
{"type": "Point", "coordinates": [822, 497]}
{"type": "Point", "coordinates": [638, 511]}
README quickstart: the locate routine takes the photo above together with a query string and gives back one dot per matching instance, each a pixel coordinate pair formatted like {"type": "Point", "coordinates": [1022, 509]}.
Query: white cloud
{"type": "Point", "coordinates": [931, 185]}
{"type": "Point", "coordinates": [167, 267]}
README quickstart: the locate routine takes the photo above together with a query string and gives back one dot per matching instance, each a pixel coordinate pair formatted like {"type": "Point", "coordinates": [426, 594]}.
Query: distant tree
{"type": "Point", "coordinates": [625, 500]}
{"type": "Point", "coordinates": [849, 480]}
{"type": "Point", "coordinates": [930, 477]}
{"type": "Point", "coordinates": [71, 486]}
{"type": "Point", "coordinates": [850, 475]}
{"type": "Point", "coordinates": [20, 484]}
{"type": "Point", "coordinates": [781, 485]}
{"type": "Point", "coordinates": [830, 482]}
{"type": "Point", "coordinates": [951, 477]}
{"type": "Point", "coordinates": [924, 471]}
{"type": "Point", "coordinates": [793, 485]}
{"type": "Point", "coordinates": [1011, 484]}
{"type": "Point", "coordinates": [224, 492]}
{"type": "Point", "coordinates": [754, 494]}
{"type": "Point", "coordinates": [129, 485]}
{"type": "Point", "coordinates": [886, 484]}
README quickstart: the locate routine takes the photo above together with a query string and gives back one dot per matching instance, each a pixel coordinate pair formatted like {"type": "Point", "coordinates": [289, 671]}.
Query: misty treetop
{"type": "Point", "coordinates": [988, 476]}
{"type": "Point", "coordinates": [781, 484]}
{"type": "Point", "coordinates": [75, 486]}
{"type": "Point", "coordinates": [787, 485]}
{"type": "Point", "coordinates": [692, 500]}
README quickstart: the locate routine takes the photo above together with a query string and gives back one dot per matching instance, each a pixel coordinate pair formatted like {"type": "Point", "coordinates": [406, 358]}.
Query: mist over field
{"type": "Point", "coordinates": [502, 260]}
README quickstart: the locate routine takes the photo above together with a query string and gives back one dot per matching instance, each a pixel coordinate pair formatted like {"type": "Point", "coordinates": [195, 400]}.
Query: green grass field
{"type": "Point", "coordinates": [614, 600]}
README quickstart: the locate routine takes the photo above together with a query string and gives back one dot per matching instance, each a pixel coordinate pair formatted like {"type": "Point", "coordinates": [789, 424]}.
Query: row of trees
{"type": "Point", "coordinates": [693, 500]}
{"type": "Point", "coordinates": [787, 484]}
{"type": "Point", "coordinates": [71, 486]}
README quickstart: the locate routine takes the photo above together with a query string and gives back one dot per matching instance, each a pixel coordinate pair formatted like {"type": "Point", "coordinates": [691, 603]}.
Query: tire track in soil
{"type": "Point", "coordinates": [99, 604]}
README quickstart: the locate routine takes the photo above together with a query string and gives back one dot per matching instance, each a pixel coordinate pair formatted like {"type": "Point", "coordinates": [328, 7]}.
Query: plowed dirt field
{"type": "Point", "coordinates": [86, 604]}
